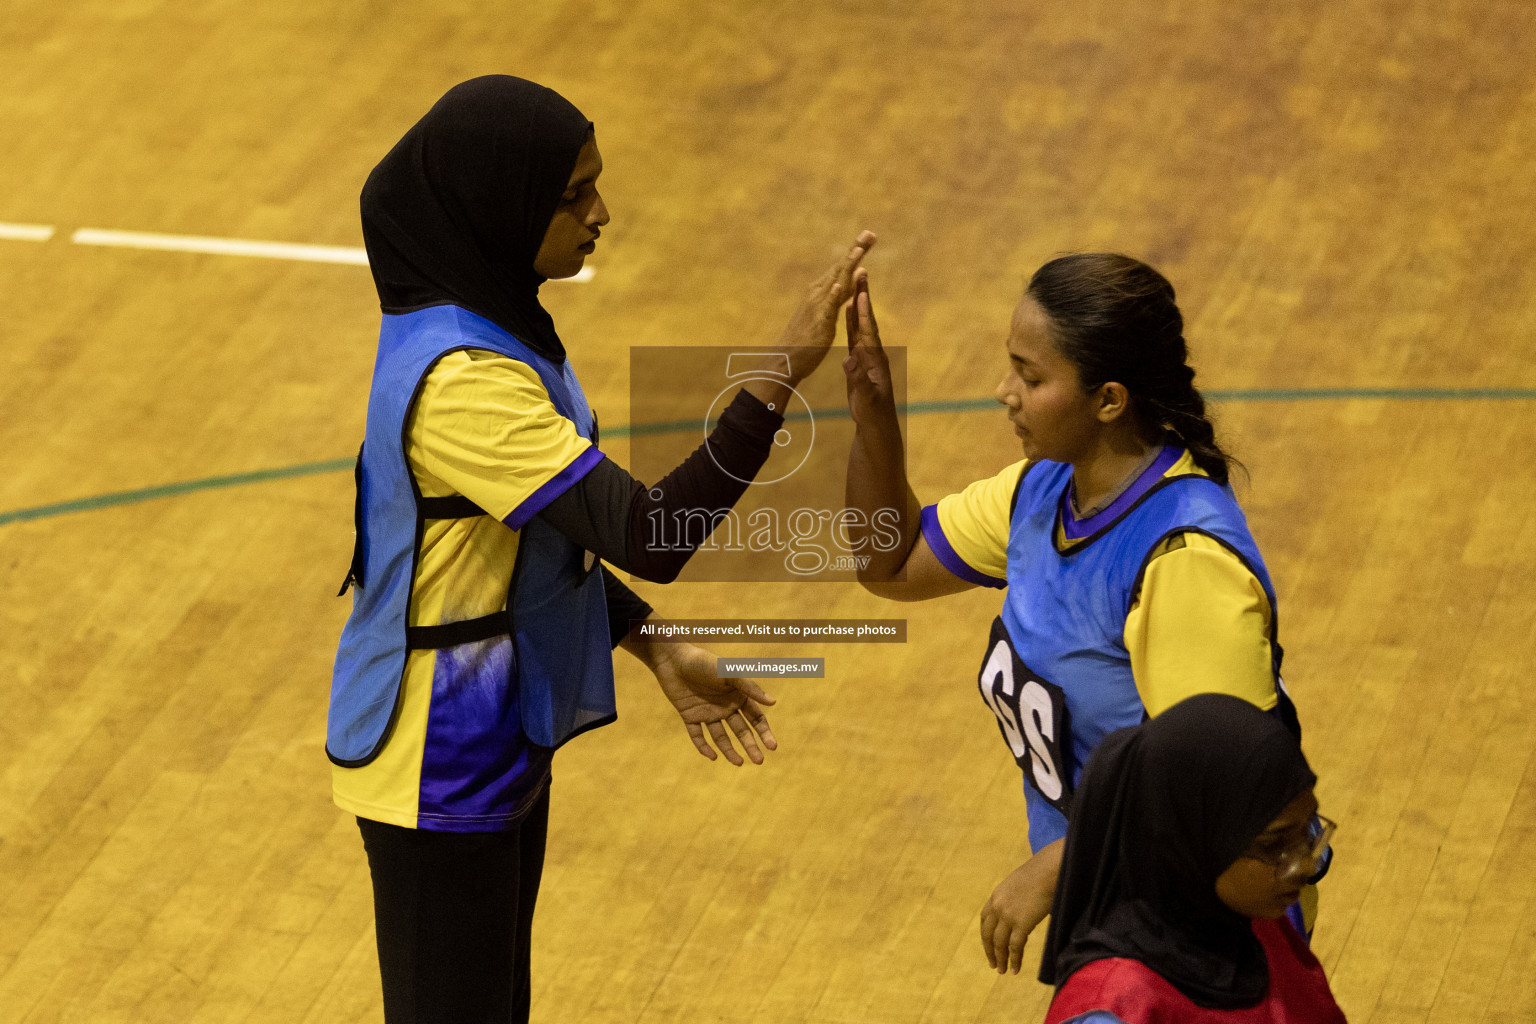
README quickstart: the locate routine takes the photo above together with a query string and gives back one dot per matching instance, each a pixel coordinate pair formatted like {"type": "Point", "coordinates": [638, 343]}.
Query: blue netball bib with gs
{"type": "Point", "coordinates": [1056, 673]}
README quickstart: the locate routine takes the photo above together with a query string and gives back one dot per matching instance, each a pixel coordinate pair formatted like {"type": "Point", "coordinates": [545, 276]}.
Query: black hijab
{"type": "Point", "coordinates": [456, 211]}
{"type": "Point", "coordinates": [1162, 810]}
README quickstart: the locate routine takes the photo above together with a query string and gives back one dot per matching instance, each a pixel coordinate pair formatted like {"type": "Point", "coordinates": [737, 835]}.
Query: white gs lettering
{"type": "Point", "coordinates": [1038, 719]}
{"type": "Point", "coordinates": [1032, 715]}
{"type": "Point", "coordinates": [1000, 664]}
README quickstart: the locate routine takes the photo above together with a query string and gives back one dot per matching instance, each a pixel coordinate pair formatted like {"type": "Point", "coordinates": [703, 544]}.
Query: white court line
{"type": "Point", "coordinates": [222, 246]}
{"type": "Point", "coordinates": [26, 232]}
{"type": "Point", "coordinates": [354, 255]}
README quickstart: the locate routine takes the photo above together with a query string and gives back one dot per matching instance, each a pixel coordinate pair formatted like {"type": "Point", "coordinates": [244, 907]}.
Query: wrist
{"type": "Point", "coordinates": [773, 393]}
{"type": "Point", "coordinates": [879, 432]}
{"type": "Point", "coordinates": [645, 650]}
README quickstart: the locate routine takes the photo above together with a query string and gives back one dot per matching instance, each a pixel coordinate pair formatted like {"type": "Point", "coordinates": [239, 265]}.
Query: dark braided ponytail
{"type": "Point", "coordinates": [1115, 319]}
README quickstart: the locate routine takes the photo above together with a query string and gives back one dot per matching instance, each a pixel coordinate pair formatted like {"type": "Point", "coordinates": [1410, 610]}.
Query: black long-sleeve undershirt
{"type": "Point", "coordinates": [608, 511]}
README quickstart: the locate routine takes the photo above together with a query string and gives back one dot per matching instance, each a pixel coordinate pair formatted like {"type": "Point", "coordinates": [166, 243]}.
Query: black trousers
{"type": "Point", "coordinates": [454, 914]}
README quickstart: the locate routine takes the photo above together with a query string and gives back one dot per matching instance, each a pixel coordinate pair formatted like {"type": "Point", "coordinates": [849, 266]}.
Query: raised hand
{"type": "Point", "coordinates": [866, 369]}
{"type": "Point", "coordinates": [814, 323]}
{"type": "Point", "coordinates": [877, 474]}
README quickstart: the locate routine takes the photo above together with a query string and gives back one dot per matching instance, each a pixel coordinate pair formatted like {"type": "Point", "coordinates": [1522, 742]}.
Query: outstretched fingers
{"type": "Point", "coordinates": [837, 283]}
{"type": "Point", "coordinates": [843, 269]}
{"type": "Point", "coordinates": [723, 741]}
{"type": "Point", "coordinates": [750, 710]}
{"type": "Point", "coordinates": [696, 733]}
{"type": "Point", "coordinates": [864, 310]}
{"type": "Point", "coordinates": [759, 720]}
{"type": "Point", "coordinates": [745, 737]}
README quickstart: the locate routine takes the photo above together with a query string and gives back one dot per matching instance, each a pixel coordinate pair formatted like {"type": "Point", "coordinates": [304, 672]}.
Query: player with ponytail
{"type": "Point", "coordinates": [1131, 579]}
{"type": "Point", "coordinates": [1115, 318]}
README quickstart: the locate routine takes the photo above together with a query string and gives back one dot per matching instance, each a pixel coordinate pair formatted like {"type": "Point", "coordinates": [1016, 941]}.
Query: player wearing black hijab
{"type": "Point", "coordinates": [455, 213]}
{"type": "Point", "coordinates": [481, 628]}
{"type": "Point", "coordinates": [1189, 837]}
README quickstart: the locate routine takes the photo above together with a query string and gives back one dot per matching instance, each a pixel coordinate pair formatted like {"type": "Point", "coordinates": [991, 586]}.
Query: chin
{"type": "Point", "coordinates": [570, 268]}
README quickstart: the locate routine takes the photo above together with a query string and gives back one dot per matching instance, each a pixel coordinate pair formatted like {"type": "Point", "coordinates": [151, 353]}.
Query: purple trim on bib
{"type": "Point", "coordinates": [553, 488]}
{"type": "Point", "coordinates": [939, 544]}
{"type": "Point", "coordinates": [477, 767]}
{"type": "Point", "coordinates": [1077, 529]}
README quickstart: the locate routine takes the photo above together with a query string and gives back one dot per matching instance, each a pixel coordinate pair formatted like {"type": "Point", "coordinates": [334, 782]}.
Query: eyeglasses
{"type": "Point", "coordinates": [1302, 851]}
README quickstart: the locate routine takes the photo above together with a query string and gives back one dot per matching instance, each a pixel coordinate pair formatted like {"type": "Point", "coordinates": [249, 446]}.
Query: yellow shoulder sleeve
{"type": "Point", "coordinates": [974, 521]}
{"type": "Point", "coordinates": [484, 427]}
{"type": "Point", "coordinates": [1199, 625]}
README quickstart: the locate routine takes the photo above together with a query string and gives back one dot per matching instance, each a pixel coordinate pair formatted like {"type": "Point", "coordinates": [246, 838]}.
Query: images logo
{"type": "Point", "coordinates": [792, 522]}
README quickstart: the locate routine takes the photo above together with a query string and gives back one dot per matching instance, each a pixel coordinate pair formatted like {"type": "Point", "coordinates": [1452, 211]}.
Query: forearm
{"type": "Point", "coordinates": [1017, 906]}
{"type": "Point", "coordinates": [642, 649]}
{"type": "Point", "coordinates": [1050, 863]}
{"type": "Point", "coordinates": [886, 527]}
{"type": "Point", "coordinates": [615, 516]}
{"type": "Point", "coordinates": [772, 392]}
{"type": "Point", "coordinates": [1031, 887]}
{"type": "Point", "coordinates": [669, 520]}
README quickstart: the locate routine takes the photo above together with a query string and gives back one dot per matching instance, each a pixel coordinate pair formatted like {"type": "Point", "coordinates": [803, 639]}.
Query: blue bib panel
{"type": "Point", "coordinates": [561, 662]}
{"type": "Point", "coordinates": [1065, 613]}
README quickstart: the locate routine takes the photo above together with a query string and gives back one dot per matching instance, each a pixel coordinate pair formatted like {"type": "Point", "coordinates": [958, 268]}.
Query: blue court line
{"type": "Point", "coordinates": [99, 501]}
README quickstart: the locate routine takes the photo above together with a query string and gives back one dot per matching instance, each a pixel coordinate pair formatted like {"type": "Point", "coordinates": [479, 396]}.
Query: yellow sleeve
{"type": "Point", "coordinates": [1199, 625]}
{"type": "Point", "coordinates": [969, 530]}
{"type": "Point", "coordinates": [484, 427]}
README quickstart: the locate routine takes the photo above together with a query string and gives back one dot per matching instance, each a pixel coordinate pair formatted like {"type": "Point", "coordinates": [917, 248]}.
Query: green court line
{"type": "Point", "coordinates": [170, 490]}
{"type": "Point", "coordinates": [647, 429]}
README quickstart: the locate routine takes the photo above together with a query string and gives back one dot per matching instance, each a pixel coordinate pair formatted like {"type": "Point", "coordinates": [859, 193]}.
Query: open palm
{"type": "Point", "coordinates": [704, 701]}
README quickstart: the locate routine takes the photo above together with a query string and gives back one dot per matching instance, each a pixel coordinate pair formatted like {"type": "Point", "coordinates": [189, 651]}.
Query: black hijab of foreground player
{"type": "Point", "coordinates": [1162, 810]}
{"type": "Point", "coordinates": [454, 214]}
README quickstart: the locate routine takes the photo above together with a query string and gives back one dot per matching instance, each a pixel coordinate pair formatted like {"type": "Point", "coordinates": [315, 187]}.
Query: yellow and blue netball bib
{"type": "Point", "coordinates": [1056, 673]}
{"type": "Point", "coordinates": [536, 673]}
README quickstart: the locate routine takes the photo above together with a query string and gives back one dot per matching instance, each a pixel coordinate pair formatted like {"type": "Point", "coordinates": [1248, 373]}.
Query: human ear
{"type": "Point", "coordinates": [1114, 400]}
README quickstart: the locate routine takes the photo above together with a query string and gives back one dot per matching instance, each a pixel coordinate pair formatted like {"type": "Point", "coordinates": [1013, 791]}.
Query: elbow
{"type": "Point", "coordinates": [886, 577]}
{"type": "Point", "coordinates": [890, 589]}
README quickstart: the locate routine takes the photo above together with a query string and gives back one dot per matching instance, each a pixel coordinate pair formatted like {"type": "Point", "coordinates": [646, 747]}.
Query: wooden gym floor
{"type": "Point", "coordinates": [1342, 191]}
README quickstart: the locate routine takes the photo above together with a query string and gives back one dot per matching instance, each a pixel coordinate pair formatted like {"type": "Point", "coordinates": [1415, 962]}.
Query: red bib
{"type": "Point", "coordinates": [1298, 990]}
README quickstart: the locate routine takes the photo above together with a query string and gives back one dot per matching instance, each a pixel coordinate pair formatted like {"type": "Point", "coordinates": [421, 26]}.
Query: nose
{"type": "Point", "coordinates": [1004, 394]}
{"type": "Point", "coordinates": [1298, 866]}
{"type": "Point", "coordinates": [599, 215]}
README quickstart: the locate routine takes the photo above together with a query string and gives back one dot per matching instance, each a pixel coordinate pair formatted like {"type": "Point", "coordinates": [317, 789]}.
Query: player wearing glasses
{"type": "Point", "coordinates": [1191, 835]}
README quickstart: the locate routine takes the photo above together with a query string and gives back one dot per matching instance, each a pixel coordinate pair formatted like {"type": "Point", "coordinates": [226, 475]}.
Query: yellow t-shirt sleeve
{"type": "Point", "coordinates": [972, 525]}
{"type": "Point", "coordinates": [1199, 625]}
{"type": "Point", "coordinates": [484, 427]}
